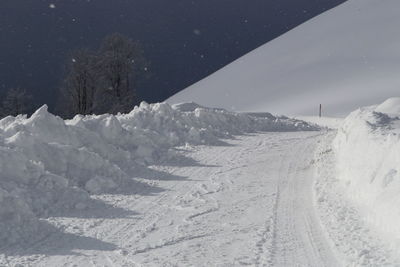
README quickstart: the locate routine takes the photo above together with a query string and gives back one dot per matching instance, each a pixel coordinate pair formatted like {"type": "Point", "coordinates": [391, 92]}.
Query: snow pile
{"type": "Point", "coordinates": [324, 122]}
{"type": "Point", "coordinates": [346, 58]}
{"type": "Point", "coordinates": [390, 107]}
{"type": "Point", "coordinates": [344, 220]}
{"type": "Point", "coordinates": [367, 147]}
{"type": "Point", "coordinates": [48, 164]}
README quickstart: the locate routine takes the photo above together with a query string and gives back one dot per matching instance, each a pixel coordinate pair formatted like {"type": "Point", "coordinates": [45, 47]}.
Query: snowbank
{"type": "Point", "coordinates": [324, 122]}
{"type": "Point", "coordinates": [343, 219]}
{"type": "Point", "coordinates": [48, 164]}
{"type": "Point", "coordinates": [390, 107]}
{"type": "Point", "coordinates": [367, 147]}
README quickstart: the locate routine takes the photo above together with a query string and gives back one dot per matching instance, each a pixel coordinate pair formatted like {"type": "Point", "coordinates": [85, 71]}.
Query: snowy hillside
{"type": "Point", "coordinates": [48, 165]}
{"type": "Point", "coordinates": [345, 58]}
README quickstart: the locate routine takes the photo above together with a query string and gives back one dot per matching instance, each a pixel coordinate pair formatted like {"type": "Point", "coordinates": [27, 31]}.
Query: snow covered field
{"type": "Point", "coordinates": [50, 167]}
{"type": "Point", "coordinates": [232, 190]}
{"type": "Point", "coordinates": [247, 202]}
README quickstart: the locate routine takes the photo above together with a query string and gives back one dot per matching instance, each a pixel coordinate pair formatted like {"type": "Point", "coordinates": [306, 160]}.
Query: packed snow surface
{"type": "Point", "coordinates": [49, 166]}
{"type": "Point", "coordinates": [343, 59]}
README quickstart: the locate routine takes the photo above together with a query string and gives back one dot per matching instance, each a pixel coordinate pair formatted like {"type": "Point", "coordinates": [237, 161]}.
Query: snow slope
{"type": "Point", "coordinates": [345, 58]}
{"type": "Point", "coordinates": [49, 166]}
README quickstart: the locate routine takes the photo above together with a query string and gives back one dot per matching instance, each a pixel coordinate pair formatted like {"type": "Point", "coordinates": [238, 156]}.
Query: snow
{"type": "Point", "coordinates": [189, 185]}
{"type": "Point", "coordinates": [343, 59]}
{"type": "Point", "coordinates": [323, 122]}
{"type": "Point", "coordinates": [49, 166]}
{"type": "Point", "coordinates": [391, 107]}
{"type": "Point", "coordinates": [357, 243]}
{"type": "Point", "coordinates": [357, 190]}
{"type": "Point", "coordinates": [184, 184]}
{"type": "Point", "coordinates": [367, 149]}
{"type": "Point", "coordinates": [247, 202]}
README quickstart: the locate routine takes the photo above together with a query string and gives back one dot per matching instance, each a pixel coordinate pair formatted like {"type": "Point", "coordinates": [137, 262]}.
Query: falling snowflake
{"type": "Point", "coordinates": [197, 31]}
{"type": "Point", "coordinates": [52, 6]}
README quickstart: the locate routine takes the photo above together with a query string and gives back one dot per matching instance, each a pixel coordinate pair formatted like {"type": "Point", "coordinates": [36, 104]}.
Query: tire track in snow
{"type": "Point", "coordinates": [265, 246]}
{"type": "Point", "coordinates": [299, 237]}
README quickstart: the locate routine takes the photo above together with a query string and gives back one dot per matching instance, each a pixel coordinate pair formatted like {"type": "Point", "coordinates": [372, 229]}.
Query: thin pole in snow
{"type": "Point", "coordinates": [320, 110]}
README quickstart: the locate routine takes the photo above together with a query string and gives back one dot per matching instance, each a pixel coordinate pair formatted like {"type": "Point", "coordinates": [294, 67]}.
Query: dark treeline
{"type": "Point", "coordinates": [96, 82]}
{"type": "Point", "coordinates": [16, 101]}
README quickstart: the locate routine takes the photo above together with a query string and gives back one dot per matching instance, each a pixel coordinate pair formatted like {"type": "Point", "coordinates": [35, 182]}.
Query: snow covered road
{"type": "Point", "coordinates": [248, 202]}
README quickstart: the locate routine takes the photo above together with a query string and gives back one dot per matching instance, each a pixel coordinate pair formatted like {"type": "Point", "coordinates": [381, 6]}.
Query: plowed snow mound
{"type": "Point", "coordinates": [48, 164]}
{"type": "Point", "coordinates": [368, 154]}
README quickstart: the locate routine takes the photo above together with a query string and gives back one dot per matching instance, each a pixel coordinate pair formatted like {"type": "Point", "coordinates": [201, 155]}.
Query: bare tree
{"type": "Point", "coordinates": [121, 62]}
{"type": "Point", "coordinates": [103, 82]}
{"type": "Point", "coordinates": [16, 101]}
{"type": "Point", "coordinates": [80, 85]}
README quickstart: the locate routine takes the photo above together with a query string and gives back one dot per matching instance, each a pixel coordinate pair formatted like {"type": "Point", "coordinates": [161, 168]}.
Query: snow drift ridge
{"type": "Point", "coordinates": [367, 148]}
{"type": "Point", "coordinates": [48, 164]}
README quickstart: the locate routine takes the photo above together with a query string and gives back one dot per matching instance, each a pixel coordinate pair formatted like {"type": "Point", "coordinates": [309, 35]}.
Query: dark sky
{"type": "Point", "coordinates": [185, 40]}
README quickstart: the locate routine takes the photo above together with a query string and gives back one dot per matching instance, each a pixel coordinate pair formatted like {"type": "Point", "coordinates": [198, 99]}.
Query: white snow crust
{"type": "Point", "coordinates": [344, 59]}
{"type": "Point", "coordinates": [49, 165]}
